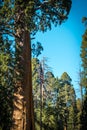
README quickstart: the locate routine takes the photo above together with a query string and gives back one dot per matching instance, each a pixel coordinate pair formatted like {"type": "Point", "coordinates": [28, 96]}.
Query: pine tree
{"type": "Point", "coordinates": [66, 102]}
{"type": "Point", "coordinates": [84, 80]}
{"type": "Point", "coordinates": [84, 60]}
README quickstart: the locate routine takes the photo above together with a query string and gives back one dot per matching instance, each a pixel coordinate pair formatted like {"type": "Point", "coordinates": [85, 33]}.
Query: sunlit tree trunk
{"type": "Point", "coordinates": [65, 128]}
{"type": "Point", "coordinates": [65, 125]}
{"type": "Point", "coordinates": [23, 115]}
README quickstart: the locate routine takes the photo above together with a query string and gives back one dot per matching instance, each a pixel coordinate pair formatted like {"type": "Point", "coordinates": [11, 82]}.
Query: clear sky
{"type": "Point", "coordinates": [62, 44]}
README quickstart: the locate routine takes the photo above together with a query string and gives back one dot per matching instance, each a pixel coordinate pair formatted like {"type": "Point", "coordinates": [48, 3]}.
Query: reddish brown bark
{"type": "Point", "coordinates": [28, 83]}
{"type": "Point", "coordinates": [23, 113]}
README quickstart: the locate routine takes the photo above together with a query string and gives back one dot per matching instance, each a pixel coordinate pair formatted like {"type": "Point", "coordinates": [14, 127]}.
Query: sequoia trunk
{"type": "Point", "coordinates": [23, 113]}
{"type": "Point", "coordinates": [28, 83]}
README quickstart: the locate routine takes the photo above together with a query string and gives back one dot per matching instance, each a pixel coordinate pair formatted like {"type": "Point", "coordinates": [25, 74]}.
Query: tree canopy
{"type": "Point", "coordinates": [33, 15]}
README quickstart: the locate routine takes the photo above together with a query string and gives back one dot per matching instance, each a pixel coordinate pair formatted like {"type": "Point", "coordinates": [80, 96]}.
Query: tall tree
{"type": "Point", "coordinates": [84, 60]}
{"type": "Point", "coordinates": [21, 19]}
{"type": "Point", "coordinates": [66, 103]}
{"type": "Point", "coordinates": [84, 80]}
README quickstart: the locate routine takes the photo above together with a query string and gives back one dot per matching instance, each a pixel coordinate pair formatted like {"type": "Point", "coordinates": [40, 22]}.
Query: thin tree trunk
{"type": "Point", "coordinates": [65, 128]}
{"type": "Point", "coordinates": [65, 124]}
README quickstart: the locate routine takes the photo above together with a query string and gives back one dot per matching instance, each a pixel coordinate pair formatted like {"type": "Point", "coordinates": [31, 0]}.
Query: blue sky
{"type": "Point", "coordinates": [62, 44]}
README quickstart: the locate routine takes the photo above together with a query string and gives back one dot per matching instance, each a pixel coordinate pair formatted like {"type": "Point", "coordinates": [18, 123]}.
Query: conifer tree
{"type": "Point", "coordinates": [84, 80]}
{"type": "Point", "coordinates": [84, 60]}
{"type": "Point", "coordinates": [66, 102]}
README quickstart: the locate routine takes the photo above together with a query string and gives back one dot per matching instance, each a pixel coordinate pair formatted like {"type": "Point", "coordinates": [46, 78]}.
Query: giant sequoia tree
{"type": "Point", "coordinates": [21, 19]}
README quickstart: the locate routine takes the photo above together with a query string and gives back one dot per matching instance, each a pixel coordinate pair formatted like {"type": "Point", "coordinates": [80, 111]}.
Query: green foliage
{"type": "Point", "coordinates": [84, 80]}
{"type": "Point", "coordinates": [66, 102]}
{"type": "Point", "coordinates": [36, 49]}
{"type": "Point", "coordinates": [84, 20]}
{"type": "Point", "coordinates": [33, 15]}
{"type": "Point", "coordinates": [66, 78]}
{"type": "Point", "coordinates": [6, 17]}
{"type": "Point", "coordinates": [6, 84]}
{"type": "Point", "coordinates": [35, 80]}
{"type": "Point", "coordinates": [84, 60]}
{"type": "Point", "coordinates": [48, 118]}
{"type": "Point", "coordinates": [58, 102]}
